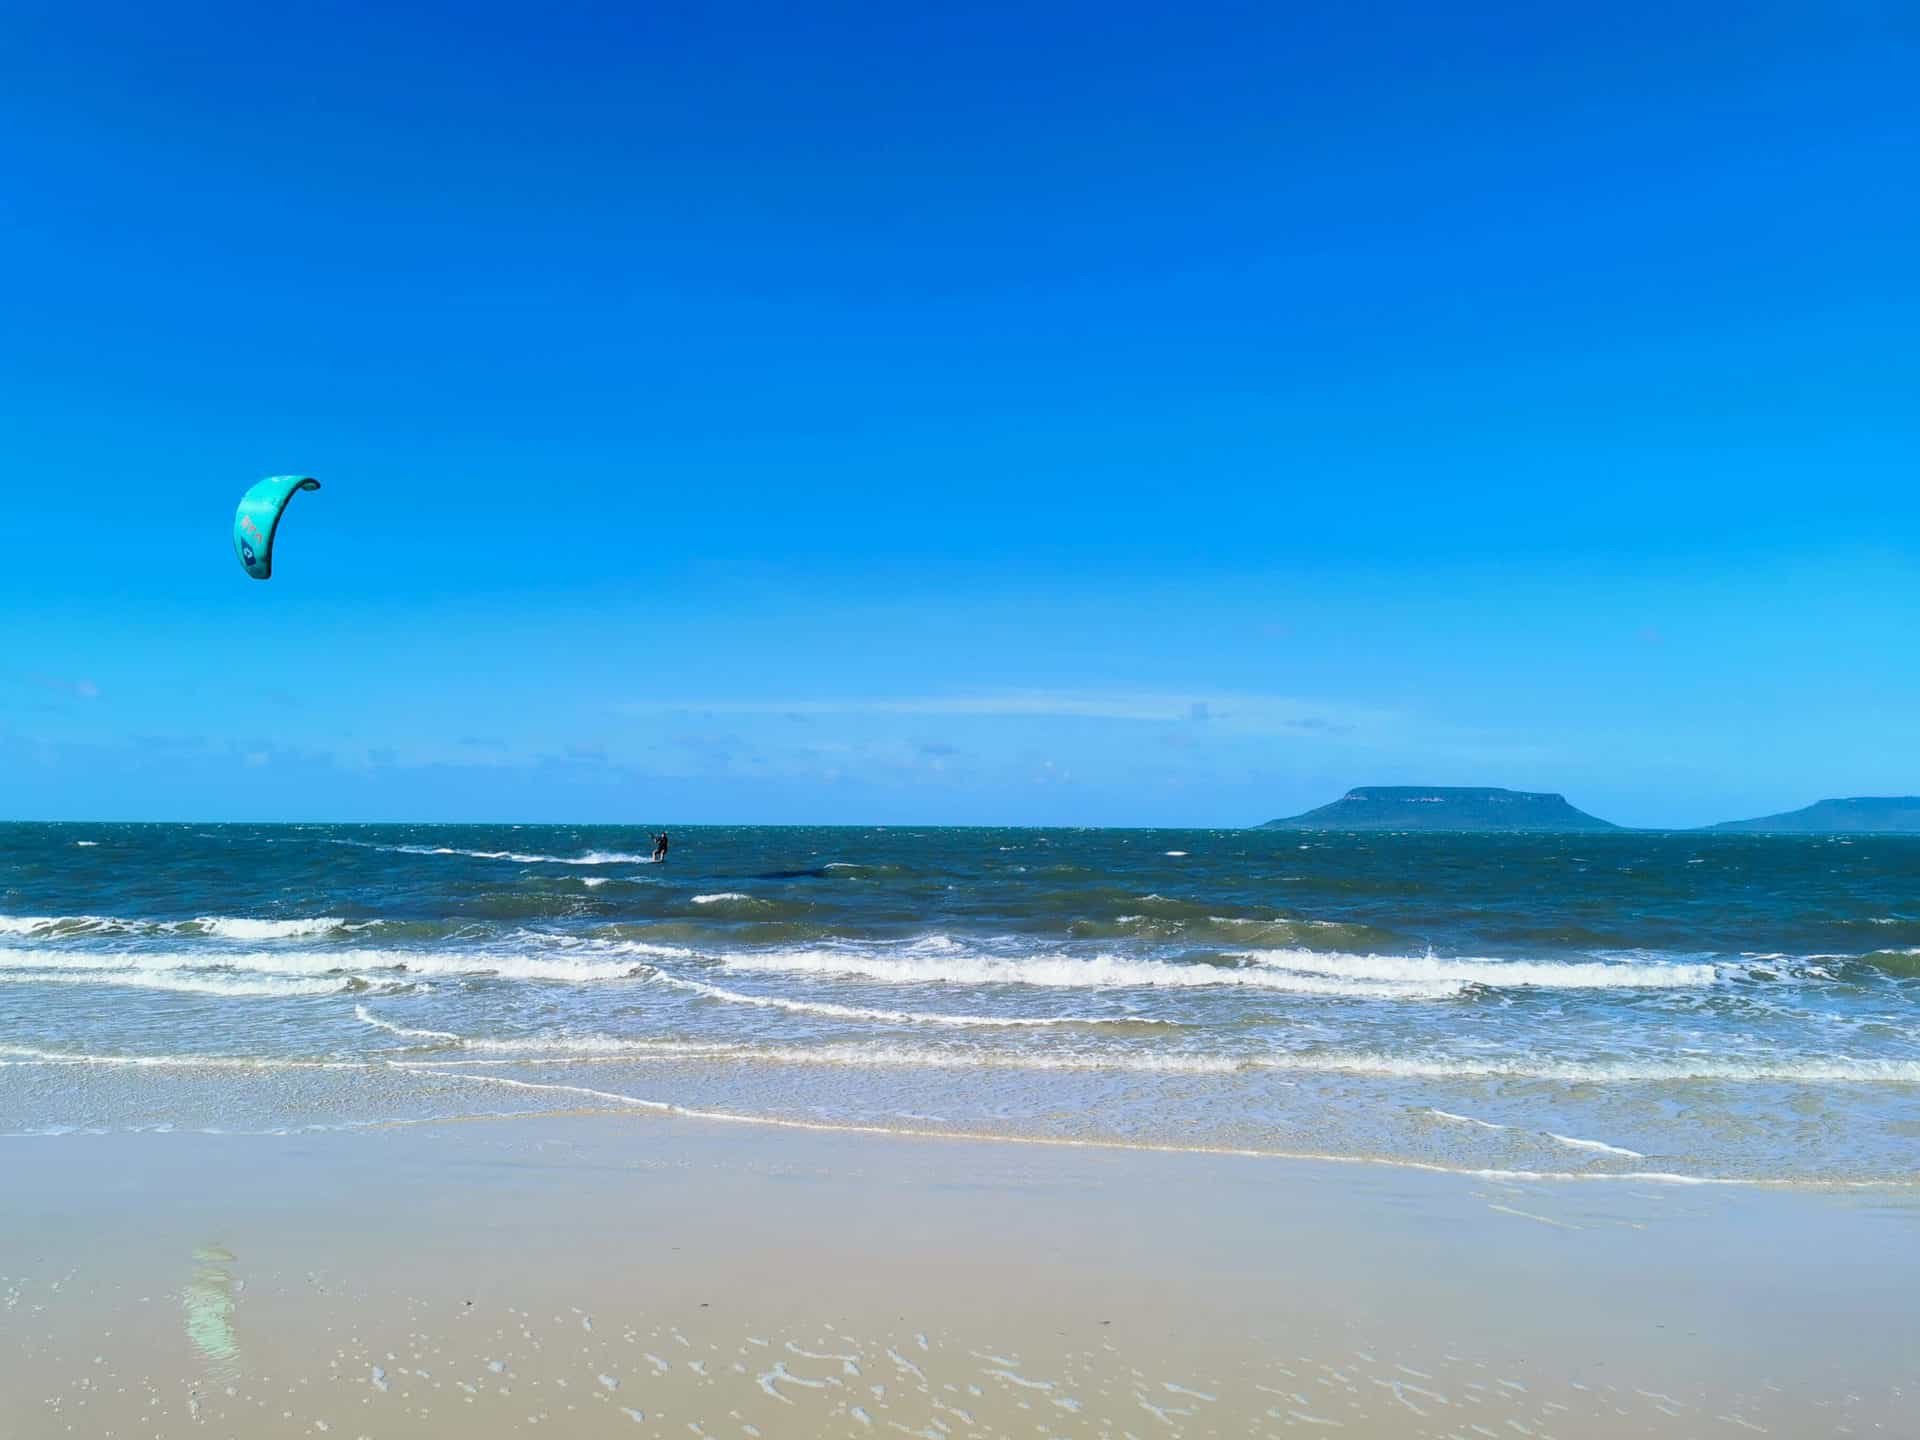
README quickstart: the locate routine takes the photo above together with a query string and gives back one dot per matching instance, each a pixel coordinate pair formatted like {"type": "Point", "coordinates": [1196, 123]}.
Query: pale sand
{"type": "Point", "coordinates": [655, 1277]}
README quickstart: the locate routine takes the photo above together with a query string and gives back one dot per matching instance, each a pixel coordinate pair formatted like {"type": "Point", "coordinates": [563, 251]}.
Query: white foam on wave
{"type": "Point", "coordinates": [86, 844]}
{"type": "Point", "coordinates": [1098, 972]}
{"type": "Point", "coordinates": [25, 924]}
{"type": "Point", "coordinates": [75, 927]}
{"type": "Point", "coordinates": [508, 964]}
{"type": "Point", "coordinates": [591, 857]}
{"type": "Point", "coordinates": [580, 1048]}
{"type": "Point", "coordinates": [1545, 974]}
{"type": "Point", "coordinates": [227, 927]}
{"type": "Point", "coordinates": [1574, 1142]}
{"type": "Point", "coordinates": [184, 983]}
{"type": "Point", "coordinates": [830, 1010]}
{"type": "Point", "coordinates": [722, 897]}
{"type": "Point", "coordinates": [511, 966]}
{"type": "Point", "coordinates": [219, 927]}
{"type": "Point", "coordinates": [1811, 1070]}
{"type": "Point", "coordinates": [562, 1048]}
{"type": "Point", "coordinates": [28, 1055]}
{"type": "Point", "coordinates": [573, 1047]}
{"type": "Point", "coordinates": [405, 1032]}
{"type": "Point", "coordinates": [1598, 1146]}
{"type": "Point", "coordinates": [1454, 1119]}
{"type": "Point", "coordinates": [82, 963]}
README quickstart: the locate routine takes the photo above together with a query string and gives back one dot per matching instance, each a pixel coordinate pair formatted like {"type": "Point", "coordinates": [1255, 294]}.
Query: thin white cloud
{"type": "Point", "coordinates": [1266, 714]}
{"type": "Point", "coordinates": [83, 689]}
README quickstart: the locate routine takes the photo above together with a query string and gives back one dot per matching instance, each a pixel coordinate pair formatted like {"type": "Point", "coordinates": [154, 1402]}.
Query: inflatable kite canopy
{"type": "Point", "coordinates": [259, 516]}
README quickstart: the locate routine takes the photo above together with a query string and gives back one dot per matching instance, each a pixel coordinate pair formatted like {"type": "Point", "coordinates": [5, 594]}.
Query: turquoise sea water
{"type": "Point", "coordinates": [1699, 1006]}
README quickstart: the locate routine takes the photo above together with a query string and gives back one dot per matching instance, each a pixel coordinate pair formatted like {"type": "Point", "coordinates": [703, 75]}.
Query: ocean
{"type": "Point", "coordinates": [1687, 1007]}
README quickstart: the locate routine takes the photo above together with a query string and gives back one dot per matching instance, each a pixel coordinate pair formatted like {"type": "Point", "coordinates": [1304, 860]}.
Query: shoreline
{"type": "Point", "coordinates": [1119, 1286]}
{"type": "Point", "coordinates": [597, 1101]}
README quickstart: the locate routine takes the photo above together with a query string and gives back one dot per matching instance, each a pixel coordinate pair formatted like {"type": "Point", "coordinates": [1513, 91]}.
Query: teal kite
{"type": "Point", "coordinates": [259, 516]}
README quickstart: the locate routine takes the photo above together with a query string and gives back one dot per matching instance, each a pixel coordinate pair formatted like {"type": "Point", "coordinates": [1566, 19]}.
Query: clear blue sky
{"type": "Point", "coordinates": [1030, 413]}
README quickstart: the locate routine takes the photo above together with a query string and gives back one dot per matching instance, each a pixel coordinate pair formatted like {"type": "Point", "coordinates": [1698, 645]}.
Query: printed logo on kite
{"type": "Point", "coordinates": [257, 520]}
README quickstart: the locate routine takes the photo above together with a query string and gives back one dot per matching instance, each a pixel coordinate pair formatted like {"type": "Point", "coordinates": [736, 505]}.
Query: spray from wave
{"type": "Point", "coordinates": [591, 857]}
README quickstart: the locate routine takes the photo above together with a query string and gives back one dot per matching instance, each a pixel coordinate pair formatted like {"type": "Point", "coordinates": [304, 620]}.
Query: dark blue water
{"type": "Point", "coordinates": [1711, 1007]}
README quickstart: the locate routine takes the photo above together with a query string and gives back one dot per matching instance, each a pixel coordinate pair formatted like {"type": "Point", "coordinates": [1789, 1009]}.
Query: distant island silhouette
{"type": "Point", "coordinates": [1488, 808]}
{"type": "Point", "coordinates": [1444, 807]}
{"type": "Point", "coordinates": [1856, 815]}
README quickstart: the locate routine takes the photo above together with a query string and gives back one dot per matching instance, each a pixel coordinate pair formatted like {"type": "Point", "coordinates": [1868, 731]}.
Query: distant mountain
{"type": "Point", "coordinates": [1858, 814]}
{"type": "Point", "coordinates": [1443, 807]}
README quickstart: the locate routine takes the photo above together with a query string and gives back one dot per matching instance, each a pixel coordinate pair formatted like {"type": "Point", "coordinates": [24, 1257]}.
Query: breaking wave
{"type": "Point", "coordinates": [1098, 972]}
{"type": "Point", "coordinates": [1495, 974]}
{"type": "Point", "coordinates": [478, 963]}
{"type": "Point", "coordinates": [231, 928]}
{"type": "Point", "coordinates": [217, 927]}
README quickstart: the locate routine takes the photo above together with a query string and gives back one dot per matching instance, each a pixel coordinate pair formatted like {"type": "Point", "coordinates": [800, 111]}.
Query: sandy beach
{"type": "Point", "coordinates": [658, 1276]}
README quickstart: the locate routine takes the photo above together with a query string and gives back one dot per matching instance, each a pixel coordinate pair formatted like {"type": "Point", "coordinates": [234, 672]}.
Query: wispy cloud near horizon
{"type": "Point", "coordinates": [81, 689]}
{"type": "Point", "coordinates": [1245, 713]}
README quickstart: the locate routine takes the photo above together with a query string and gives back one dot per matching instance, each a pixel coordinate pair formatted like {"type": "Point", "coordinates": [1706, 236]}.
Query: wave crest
{"type": "Point", "coordinates": [1494, 974]}
{"type": "Point", "coordinates": [226, 927]}
{"type": "Point", "coordinates": [1098, 972]}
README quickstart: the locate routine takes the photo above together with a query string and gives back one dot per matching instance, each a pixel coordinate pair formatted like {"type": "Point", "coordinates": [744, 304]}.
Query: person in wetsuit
{"type": "Point", "coordinates": [660, 843]}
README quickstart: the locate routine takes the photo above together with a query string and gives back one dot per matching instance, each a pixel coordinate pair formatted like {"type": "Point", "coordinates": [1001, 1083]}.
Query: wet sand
{"type": "Point", "coordinates": [600, 1276]}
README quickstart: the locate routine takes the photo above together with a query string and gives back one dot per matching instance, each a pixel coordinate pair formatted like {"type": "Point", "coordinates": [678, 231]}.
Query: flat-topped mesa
{"type": "Point", "coordinates": [1852, 815]}
{"type": "Point", "coordinates": [1444, 807]}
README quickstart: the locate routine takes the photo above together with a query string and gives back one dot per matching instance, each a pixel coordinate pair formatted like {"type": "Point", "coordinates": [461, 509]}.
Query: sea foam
{"type": "Point", "coordinates": [1544, 974]}
{"type": "Point", "coordinates": [226, 927]}
{"type": "Point", "coordinates": [1097, 972]}
{"type": "Point", "coordinates": [830, 1010]}
{"type": "Point", "coordinates": [510, 964]}
{"type": "Point", "coordinates": [219, 927]}
{"type": "Point", "coordinates": [184, 983]}
{"type": "Point", "coordinates": [1359, 1064]}
{"type": "Point", "coordinates": [591, 857]}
